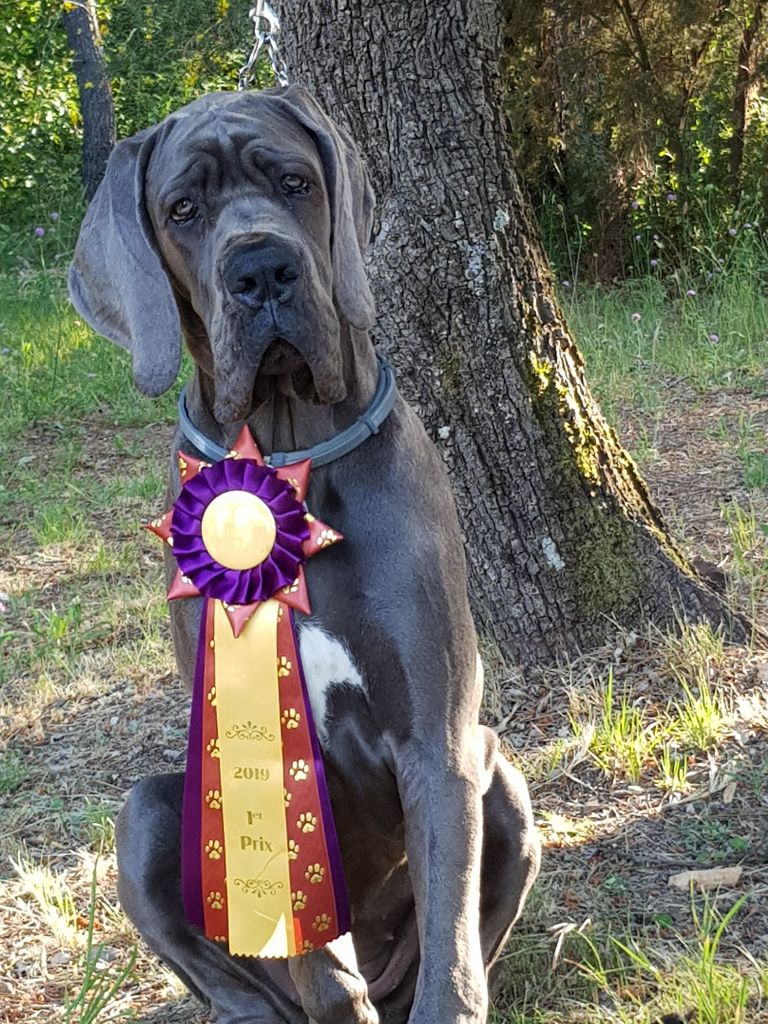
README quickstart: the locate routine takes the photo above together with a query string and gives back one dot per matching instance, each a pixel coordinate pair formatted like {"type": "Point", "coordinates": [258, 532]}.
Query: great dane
{"type": "Point", "coordinates": [241, 221]}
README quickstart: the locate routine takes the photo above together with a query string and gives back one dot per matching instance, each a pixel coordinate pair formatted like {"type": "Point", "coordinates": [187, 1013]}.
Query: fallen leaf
{"type": "Point", "coordinates": [708, 878]}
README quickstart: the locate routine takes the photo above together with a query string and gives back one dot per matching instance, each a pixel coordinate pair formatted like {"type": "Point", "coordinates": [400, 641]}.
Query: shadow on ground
{"type": "Point", "coordinates": [185, 1011]}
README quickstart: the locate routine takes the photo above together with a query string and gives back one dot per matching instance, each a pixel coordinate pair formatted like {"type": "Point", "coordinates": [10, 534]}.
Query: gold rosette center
{"type": "Point", "coordinates": [238, 530]}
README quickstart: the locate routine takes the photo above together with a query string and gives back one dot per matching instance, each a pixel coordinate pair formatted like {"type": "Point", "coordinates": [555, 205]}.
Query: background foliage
{"type": "Point", "coordinates": [159, 56]}
{"type": "Point", "coordinates": [640, 126]}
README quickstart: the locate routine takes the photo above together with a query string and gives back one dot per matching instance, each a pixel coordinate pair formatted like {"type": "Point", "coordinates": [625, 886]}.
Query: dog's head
{"type": "Point", "coordinates": [242, 217]}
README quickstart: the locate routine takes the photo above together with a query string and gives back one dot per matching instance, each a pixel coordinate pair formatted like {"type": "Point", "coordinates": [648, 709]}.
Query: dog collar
{"type": "Point", "coordinates": [320, 454]}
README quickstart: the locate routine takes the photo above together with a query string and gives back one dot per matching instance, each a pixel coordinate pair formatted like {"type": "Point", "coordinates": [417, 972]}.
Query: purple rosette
{"type": "Point", "coordinates": [239, 586]}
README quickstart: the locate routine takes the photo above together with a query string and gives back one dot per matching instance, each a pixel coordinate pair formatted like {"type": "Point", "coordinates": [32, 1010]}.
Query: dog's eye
{"type": "Point", "coordinates": [294, 184]}
{"type": "Point", "coordinates": [183, 210]}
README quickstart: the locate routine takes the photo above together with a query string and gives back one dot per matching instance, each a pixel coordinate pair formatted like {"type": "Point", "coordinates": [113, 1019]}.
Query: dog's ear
{"type": "Point", "coordinates": [117, 281]}
{"type": "Point", "coordinates": [352, 203]}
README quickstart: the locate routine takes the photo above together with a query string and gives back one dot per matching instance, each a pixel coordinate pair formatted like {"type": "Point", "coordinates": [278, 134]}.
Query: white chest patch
{"type": "Point", "coordinates": [327, 663]}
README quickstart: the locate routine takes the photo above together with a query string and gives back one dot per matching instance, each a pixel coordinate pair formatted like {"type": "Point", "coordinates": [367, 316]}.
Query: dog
{"type": "Point", "coordinates": [241, 221]}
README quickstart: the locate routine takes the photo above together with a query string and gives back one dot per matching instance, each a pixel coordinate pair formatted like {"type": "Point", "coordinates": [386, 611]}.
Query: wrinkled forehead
{"type": "Point", "coordinates": [218, 145]}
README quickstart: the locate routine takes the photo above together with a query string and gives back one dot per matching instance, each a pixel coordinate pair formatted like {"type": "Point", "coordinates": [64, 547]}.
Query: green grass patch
{"type": "Point", "coordinates": [604, 970]}
{"type": "Point", "coordinates": [55, 369]}
{"type": "Point", "coordinates": [637, 336]}
{"type": "Point", "coordinates": [619, 738]}
{"type": "Point", "coordinates": [13, 772]}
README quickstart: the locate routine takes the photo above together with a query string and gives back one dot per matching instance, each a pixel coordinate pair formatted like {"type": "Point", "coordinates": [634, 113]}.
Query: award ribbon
{"type": "Point", "coordinates": [260, 862]}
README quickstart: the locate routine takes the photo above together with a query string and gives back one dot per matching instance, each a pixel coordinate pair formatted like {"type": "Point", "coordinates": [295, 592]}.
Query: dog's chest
{"type": "Point", "coordinates": [327, 664]}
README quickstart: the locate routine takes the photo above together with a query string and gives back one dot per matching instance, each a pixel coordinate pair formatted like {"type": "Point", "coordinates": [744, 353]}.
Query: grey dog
{"type": "Point", "coordinates": [241, 221]}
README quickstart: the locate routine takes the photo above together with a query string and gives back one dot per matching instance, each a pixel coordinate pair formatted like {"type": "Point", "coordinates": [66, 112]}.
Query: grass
{"type": "Point", "coordinates": [12, 772]}
{"type": "Point", "coordinates": [700, 986]}
{"type": "Point", "coordinates": [101, 980]}
{"type": "Point", "coordinates": [641, 757]}
{"type": "Point", "coordinates": [619, 739]}
{"type": "Point", "coordinates": [648, 331]}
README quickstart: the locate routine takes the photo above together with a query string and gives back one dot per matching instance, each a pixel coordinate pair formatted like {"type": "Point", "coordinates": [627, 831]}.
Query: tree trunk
{"type": "Point", "coordinates": [744, 75]}
{"type": "Point", "coordinates": [96, 109]}
{"type": "Point", "coordinates": [562, 538]}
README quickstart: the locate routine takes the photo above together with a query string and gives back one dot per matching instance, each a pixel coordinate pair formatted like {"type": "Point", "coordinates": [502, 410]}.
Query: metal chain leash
{"type": "Point", "coordinates": [267, 27]}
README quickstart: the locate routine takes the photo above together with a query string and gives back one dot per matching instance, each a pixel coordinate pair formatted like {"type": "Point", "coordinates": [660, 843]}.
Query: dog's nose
{"type": "Point", "coordinates": [257, 274]}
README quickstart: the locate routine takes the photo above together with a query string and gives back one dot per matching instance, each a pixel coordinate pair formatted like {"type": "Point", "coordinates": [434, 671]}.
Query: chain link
{"type": "Point", "coordinates": [267, 27]}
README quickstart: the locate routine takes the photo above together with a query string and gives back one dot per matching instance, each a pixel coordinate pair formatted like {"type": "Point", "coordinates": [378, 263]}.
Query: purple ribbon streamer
{"type": "Point", "coordinates": [191, 809]}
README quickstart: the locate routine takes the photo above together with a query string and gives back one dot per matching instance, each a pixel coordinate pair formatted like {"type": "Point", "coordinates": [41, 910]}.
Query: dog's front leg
{"type": "Point", "coordinates": [330, 986]}
{"type": "Point", "coordinates": [440, 791]}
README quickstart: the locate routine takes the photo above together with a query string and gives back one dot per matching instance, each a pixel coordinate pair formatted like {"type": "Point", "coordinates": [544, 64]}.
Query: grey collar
{"type": "Point", "coordinates": [320, 454]}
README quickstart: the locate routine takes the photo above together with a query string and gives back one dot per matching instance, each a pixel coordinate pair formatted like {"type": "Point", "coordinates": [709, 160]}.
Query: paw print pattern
{"type": "Point", "coordinates": [291, 718]}
{"type": "Point", "coordinates": [284, 666]}
{"type": "Point", "coordinates": [293, 849]}
{"type": "Point", "coordinates": [325, 537]}
{"type": "Point", "coordinates": [213, 799]}
{"type": "Point", "coordinates": [213, 748]}
{"type": "Point", "coordinates": [307, 946]}
{"type": "Point", "coordinates": [287, 797]}
{"type": "Point", "coordinates": [306, 822]}
{"type": "Point", "coordinates": [321, 923]}
{"type": "Point", "coordinates": [211, 695]}
{"type": "Point", "coordinates": [292, 588]}
{"type": "Point", "coordinates": [215, 900]}
{"type": "Point", "coordinates": [299, 900]}
{"type": "Point", "coordinates": [299, 770]}
{"type": "Point", "coordinates": [315, 873]}
{"type": "Point", "coordinates": [214, 849]}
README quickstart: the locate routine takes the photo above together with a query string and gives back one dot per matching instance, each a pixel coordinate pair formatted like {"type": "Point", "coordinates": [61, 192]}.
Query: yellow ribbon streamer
{"type": "Point", "coordinates": [250, 749]}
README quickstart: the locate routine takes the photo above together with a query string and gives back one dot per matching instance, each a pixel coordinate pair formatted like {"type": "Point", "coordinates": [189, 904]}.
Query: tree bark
{"type": "Point", "coordinates": [744, 75]}
{"type": "Point", "coordinates": [563, 541]}
{"type": "Point", "coordinates": [96, 108]}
